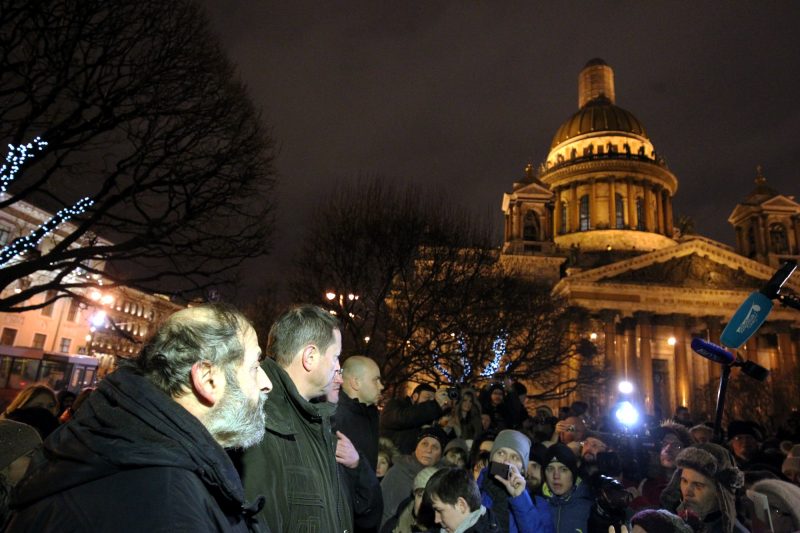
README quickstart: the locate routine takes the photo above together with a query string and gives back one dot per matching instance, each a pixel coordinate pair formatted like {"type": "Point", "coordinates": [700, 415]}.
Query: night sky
{"type": "Point", "coordinates": [462, 95]}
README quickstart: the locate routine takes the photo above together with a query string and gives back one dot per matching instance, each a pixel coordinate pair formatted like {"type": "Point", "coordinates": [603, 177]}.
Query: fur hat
{"type": "Point", "coordinates": [561, 453]}
{"type": "Point", "coordinates": [716, 463]}
{"type": "Point", "coordinates": [510, 438]}
{"type": "Point", "coordinates": [16, 440]}
{"type": "Point", "coordinates": [660, 521]}
{"type": "Point", "coordinates": [422, 477]}
{"type": "Point", "coordinates": [792, 461]}
{"type": "Point", "coordinates": [670, 427]}
{"type": "Point", "coordinates": [702, 427]}
{"type": "Point", "coordinates": [434, 432]}
{"type": "Point", "coordinates": [783, 495]}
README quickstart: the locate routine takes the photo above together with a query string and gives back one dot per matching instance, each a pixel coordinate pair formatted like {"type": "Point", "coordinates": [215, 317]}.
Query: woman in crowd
{"type": "Point", "coordinates": [34, 396]}
{"type": "Point", "coordinates": [466, 417]}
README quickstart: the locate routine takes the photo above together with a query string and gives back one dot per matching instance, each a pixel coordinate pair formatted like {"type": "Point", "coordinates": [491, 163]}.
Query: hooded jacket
{"type": "Point", "coordinates": [570, 511]}
{"type": "Point", "coordinates": [295, 465]}
{"type": "Point", "coordinates": [131, 460]}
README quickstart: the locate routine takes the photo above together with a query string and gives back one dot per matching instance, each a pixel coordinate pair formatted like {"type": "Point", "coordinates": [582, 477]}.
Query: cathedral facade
{"type": "Point", "coordinates": [595, 221]}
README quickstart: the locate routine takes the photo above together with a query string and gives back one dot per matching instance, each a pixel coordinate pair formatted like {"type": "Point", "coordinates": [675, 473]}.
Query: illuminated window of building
{"type": "Point", "coordinates": [38, 341]}
{"type": "Point", "coordinates": [584, 213]}
{"type": "Point", "coordinates": [127, 306]}
{"type": "Point", "coordinates": [640, 214]}
{"type": "Point", "coordinates": [563, 217]}
{"type": "Point", "coordinates": [74, 306]}
{"type": "Point", "coordinates": [530, 229]}
{"type": "Point", "coordinates": [777, 238]}
{"type": "Point", "coordinates": [48, 309]}
{"type": "Point", "coordinates": [64, 346]}
{"type": "Point", "coordinates": [619, 211]}
{"type": "Point", "coordinates": [8, 336]}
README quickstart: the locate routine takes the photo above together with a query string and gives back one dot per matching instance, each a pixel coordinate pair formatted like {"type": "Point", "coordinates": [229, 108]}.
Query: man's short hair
{"type": "Point", "coordinates": [298, 327]}
{"type": "Point", "coordinates": [209, 332]}
{"type": "Point", "coordinates": [423, 388]}
{"type": "Point", "coordinates": [450, 484]}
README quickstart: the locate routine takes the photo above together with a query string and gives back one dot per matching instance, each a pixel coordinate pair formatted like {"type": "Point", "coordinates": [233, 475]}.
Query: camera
{"type": "Point", "coordinates": [499, 469]}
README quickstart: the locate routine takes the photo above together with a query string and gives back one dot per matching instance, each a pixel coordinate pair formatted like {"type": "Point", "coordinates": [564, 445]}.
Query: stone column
{"type": "Point", "coordinates": [612, 204]}
{"type": "Point", "coordinates": [556, 210]}
{"type": "Point", "coordinates": [592, 203]}
{"type": "Point", "coordinates": [668, 209]}
{"type": "Point", "coordinates": [682, 390]}
{"type": "Point", "coordinates": [787, 361]}
{"type": "Point", "coordinates": [659, 209]}
{"type": "Point", "coordinates": [632, 220]}
{"type": "Point", "coordinates": [608, 317]}
{"type": "Point", "coordinates": [574, 208]}
{"type": "Point", "coordinates": [646, 360]}
{"type": "Point", "coordinates": [796, 228]}
{"type": "Point", "coordinates": [714, 325]}
{"type": "Point", "coordinates": [647, 194]}
{"type": "Point", "coordinates": [631, 363]}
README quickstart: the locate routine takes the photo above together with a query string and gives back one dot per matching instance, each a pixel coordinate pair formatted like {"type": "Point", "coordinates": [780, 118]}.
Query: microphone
{"type": "Point", "coordinates": [754, 310]}
{"type": "Point", "coordinates": [712, 352]}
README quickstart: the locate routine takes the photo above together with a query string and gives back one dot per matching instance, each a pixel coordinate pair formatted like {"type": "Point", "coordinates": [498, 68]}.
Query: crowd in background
{"type": "Point", "coordinates": [318, 454]}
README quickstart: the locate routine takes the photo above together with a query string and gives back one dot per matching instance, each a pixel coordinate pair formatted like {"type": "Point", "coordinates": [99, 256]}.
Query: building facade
{"type": "Point", "coordinates": [595, 221]}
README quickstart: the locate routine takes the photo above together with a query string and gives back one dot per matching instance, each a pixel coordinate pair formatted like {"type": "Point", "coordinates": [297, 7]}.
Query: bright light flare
{"type": "Point", "coordinates": [626, 414]}
{"type": "Point", "coordinates": [98, 319]}
{"type": "Point", "coordinates": [625, 387]}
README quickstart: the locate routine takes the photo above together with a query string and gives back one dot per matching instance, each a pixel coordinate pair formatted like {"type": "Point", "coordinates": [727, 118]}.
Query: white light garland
{"type": "Point", "coordinates": [17, 155]}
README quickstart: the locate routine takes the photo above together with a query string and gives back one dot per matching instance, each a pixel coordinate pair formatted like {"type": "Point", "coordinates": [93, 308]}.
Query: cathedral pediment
{"type": "Point", "coordinates": [695, 264]}
{"type": "Point", "coordinates": [782, 203]}
{"type": "Point", "coordinates": [689, 271]}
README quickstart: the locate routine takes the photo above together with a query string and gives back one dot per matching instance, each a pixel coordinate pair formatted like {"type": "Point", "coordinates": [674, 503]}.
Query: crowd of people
{"type": "Point", "coordinates": [203, 432]}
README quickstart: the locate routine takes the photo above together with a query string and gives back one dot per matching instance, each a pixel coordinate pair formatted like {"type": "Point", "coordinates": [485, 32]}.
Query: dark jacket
{"type": "Point", "coordinates": [525, 515]}
{"type": "Point", "coordinates": [133, 460]}
{"type": "Point", "coordinates": [295, 465]}
{"type": "Point", "coordinates": [401, 421]}
{"type": "Point", "coordinates": [359, 422]}
{"type": "Point", "coordinates": [571, 511]}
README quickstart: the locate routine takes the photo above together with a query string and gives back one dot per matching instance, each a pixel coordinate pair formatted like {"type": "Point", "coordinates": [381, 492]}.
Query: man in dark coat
{"type": "Point", "coordinates": [402, 418]}
{"type": "Point", "coordinates": [145, 453]}
{"type": "Point", "coordinates": [295, 465]}
{"type": "Point", "coordinates": [356, 414]}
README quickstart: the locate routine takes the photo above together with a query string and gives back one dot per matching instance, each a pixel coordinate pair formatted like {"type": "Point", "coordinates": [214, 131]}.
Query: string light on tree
{"type": "Point", "coordinates": [499, 351]}
{"type": "Point", "coordinates": [17, 155]}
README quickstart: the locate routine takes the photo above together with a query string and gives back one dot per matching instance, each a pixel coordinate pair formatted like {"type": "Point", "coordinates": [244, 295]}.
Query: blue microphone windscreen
{"type": "Point", "coordinates": [747, 319]}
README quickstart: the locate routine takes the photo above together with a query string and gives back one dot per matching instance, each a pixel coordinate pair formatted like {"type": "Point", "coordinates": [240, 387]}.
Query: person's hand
{"type": "Point", "coordinates": [346, 453]}
{"type": "Point", "coordinates": [442, 398]}
{"type": "Point", "coordinates": [622, 529]}
{"type": "Point", "coordinates": [515, 483]}
{"type": "Point", "coordinates": [563, 426]}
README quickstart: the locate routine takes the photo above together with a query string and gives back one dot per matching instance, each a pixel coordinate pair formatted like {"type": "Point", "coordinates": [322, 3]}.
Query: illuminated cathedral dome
{"type": "Point", "coordinates": [598, 115]}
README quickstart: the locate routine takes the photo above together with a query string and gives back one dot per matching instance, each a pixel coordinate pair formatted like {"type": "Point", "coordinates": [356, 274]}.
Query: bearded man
{"type": "Point", "coordinates": [145, 452]}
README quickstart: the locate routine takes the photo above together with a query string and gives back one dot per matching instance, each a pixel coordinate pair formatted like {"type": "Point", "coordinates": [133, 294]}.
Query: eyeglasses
{"type": "Point", "coordinates": [671, 444]}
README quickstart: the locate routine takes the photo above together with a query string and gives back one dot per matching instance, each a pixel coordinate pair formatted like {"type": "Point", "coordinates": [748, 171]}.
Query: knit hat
{"type": "Point", "coordinates": [660, 521]}
{"type": "Point", "coordinates": [792, 461]}
{"type": "Point", "coordinates": [743, 427]}
{"type": "Point", "coordinates": [435, 432]}
{"type": "Point", "coordinates": [673, 428]}
{"type": "Point", "coordinates": [457, 444]}
{"type": "Point", "coordinates": [510, 438]}
{"type": "Point", "coordinates": [16, 440]}
{"type": "Point", "coordinates": [562, 454]}
{"type": "Point", "coordinates": [538, 452]}
{"type": "Point", "coordinates": [783, 495]}
{"type": "Point", "coordinates": [716, 463]}
{"type": "Point", "coordinates": [422, 477]}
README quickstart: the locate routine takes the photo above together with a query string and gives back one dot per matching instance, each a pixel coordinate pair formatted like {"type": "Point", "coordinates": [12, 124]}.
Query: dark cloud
{"type": "Point", "coordinates": [464, 94]}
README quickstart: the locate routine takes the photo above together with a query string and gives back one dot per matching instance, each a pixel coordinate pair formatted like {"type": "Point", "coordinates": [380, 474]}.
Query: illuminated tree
{"type": "Point", "coordinates": [142, 113]}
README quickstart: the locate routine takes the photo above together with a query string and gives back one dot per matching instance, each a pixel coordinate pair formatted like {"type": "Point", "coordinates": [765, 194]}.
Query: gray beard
{"type": "Point", "coordinates": [236, 421]}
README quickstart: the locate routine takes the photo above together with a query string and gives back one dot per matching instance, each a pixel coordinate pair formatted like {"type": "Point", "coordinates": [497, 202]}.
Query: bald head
{"type": "Point", "coordinates": [362, 379]}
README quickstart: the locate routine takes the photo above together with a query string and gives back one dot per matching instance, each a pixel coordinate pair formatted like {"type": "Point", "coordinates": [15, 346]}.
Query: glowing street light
{"type": "Point", "coordinates": [625, 387]}
{"type": "Point", "coordinates": [98, 319]}
{"type": "Point", "coordinates": [672, 341]}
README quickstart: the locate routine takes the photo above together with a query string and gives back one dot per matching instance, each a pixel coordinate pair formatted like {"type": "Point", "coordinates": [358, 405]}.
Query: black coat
{"type": "Point", "coordinates": [359, 422]}
{"type": "Point", "coordinates": [132, 460]}
{"type": "Point", "coordinates": [295, 467]}
{"type": "Point", "coordinates": [401, 421]}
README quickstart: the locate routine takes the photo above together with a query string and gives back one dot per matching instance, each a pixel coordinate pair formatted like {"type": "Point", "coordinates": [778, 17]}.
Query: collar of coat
{"type": "Point", "coordinates": [285, 407]}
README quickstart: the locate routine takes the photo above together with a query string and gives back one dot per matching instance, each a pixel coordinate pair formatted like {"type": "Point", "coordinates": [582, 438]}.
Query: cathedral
{"type": "Point", "coordinates": [595, 222]}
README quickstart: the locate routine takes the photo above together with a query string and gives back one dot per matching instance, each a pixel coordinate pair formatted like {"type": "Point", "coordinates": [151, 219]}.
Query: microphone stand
{"type": "Point", "coordinates": [723, 387]}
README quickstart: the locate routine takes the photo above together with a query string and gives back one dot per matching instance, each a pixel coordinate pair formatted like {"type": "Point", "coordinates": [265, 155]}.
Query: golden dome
{"type": "Point", "coordinates": [598, 115]}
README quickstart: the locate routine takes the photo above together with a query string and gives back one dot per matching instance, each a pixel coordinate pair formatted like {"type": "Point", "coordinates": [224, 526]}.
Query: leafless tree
{"type": "Point", "coordinates": [143, 113]}
{"type": "Point", "coordinates": [419, 288]}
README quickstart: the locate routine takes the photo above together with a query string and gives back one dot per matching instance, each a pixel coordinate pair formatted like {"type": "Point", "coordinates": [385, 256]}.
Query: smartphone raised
{"type": "Point", "coordinates": [499, 469]}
